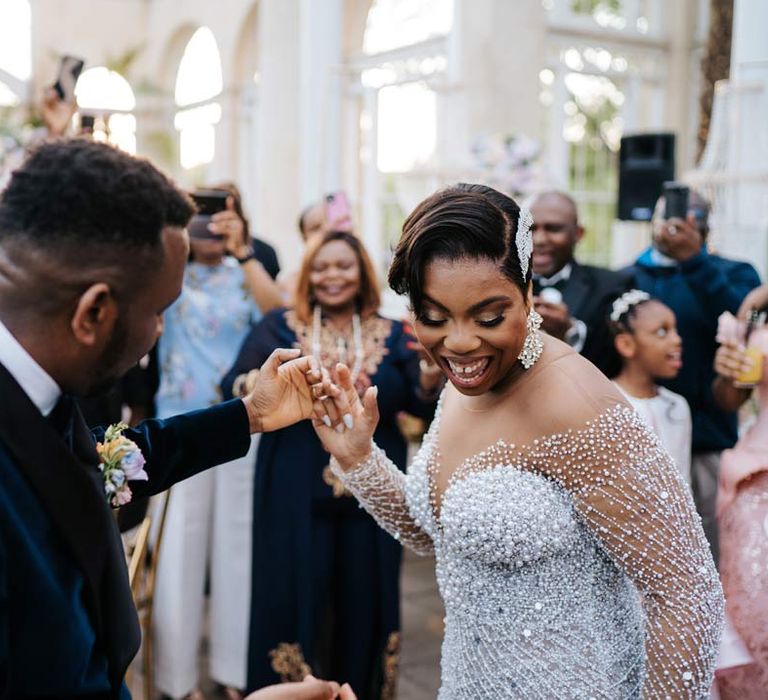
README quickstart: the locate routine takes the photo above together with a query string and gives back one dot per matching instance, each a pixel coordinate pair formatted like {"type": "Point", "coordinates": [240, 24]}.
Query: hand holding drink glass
{"type": "Point", "coordinates": [740, 357]}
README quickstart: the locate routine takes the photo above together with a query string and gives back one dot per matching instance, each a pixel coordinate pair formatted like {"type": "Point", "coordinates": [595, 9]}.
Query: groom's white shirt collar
{"type": "Point", "coordinates": [31, 377]}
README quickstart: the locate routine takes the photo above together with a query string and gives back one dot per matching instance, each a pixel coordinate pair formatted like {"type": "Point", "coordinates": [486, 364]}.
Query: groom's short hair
{"type": "Point", "coordinates": [80, 193]}
{"type": "Point", "coordinates": [77, 211]}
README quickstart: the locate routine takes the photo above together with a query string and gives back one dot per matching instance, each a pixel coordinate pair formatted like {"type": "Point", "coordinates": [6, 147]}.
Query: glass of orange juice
{"type": "Point", "coordinates": [754, 374]}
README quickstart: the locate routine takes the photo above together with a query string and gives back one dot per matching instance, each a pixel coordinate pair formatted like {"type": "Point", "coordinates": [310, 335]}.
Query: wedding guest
{"type": "Point", "coordinates": [573, 299]}
{"type": "Point", "coordinates": [208, 524]}
{"type": "Point", "coordinates": [678, 270]}
{"type": "Point", "coordinates": [742, 506]}
{"type": "Point", "coordinates": [315, 219]}
{"type": "Point", "coordinates": [646, 349]}
{"type": "Point", "coordinates": [568, 551]}
{"type": "Point", "coordinates": [325, 589]}
{"type": "Point", "coordinates": [85, 277]}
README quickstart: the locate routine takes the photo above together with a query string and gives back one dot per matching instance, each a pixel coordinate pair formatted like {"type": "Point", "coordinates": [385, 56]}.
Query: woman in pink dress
{"type": "Point", "coordinates": [742, 509]}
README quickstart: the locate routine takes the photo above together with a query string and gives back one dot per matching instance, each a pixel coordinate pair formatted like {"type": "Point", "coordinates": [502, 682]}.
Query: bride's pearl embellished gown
{"type": "Point", "coordinates": [572, 565]}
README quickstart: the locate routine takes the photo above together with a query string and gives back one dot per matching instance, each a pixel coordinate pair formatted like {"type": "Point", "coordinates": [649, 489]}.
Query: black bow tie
{"type": "Point", "coordinates": [538, 286]}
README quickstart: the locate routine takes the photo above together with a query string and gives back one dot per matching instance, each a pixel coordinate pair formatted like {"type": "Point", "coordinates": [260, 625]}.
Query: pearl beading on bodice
{"type": "Point", "coordinates": [571, 567]}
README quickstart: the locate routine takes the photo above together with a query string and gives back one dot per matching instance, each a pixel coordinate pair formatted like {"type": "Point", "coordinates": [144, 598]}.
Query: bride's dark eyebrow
{"type": "Point", "coordinates": [475, 307]}
{"type": "Point", "coordinates": [487, 302]}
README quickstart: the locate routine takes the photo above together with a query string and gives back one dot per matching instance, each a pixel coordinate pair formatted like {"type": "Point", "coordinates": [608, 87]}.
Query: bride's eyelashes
{"type": "Point", "coordinates": [485, 323]}
{"type": "Point", "coordinates": [492, 322]}
{"type": "Point", "coordinates": [427, 321]}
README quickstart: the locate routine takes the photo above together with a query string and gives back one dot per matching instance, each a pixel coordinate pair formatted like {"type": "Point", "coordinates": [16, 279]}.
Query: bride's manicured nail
{"type": "Point", "coordinates": [327, 421]}
{"type": "Point", "coordinates": [339, 428]}
{"type": "Point", "coordinates": [347, 418]}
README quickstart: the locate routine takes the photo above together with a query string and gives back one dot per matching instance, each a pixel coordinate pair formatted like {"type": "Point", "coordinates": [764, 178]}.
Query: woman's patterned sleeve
{"type": "Point", "coordinates": [381, 489]}
{"type": "Point", "coordinates": [635, 502]}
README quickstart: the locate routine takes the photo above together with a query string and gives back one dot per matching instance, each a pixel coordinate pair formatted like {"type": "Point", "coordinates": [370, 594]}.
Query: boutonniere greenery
{"type": "Point", "coordinates": [121, 462]}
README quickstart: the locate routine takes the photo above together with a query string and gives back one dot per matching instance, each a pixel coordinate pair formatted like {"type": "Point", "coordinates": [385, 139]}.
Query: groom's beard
{"type": "Point", "coordinates": [107, 374]}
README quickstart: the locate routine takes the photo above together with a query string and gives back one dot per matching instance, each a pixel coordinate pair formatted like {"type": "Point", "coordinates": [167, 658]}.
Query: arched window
{"type": "Point", "coordinates": [106, 101]}
{"type": "Point", "coordinates": [15, 50]}
{"type": "Point", "coordinates": [198, 82]}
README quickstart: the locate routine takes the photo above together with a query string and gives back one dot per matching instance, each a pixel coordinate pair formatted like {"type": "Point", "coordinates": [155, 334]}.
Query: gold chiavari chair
{"type": "Point", "coordinates": [143, 553]}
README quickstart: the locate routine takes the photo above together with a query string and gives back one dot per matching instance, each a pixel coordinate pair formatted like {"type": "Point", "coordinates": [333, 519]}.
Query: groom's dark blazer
{"type": "Point", "coordinates": [68, 627]}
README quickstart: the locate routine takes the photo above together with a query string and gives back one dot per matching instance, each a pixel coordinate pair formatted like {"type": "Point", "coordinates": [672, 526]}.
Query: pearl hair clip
{"type": "Point", "coordinates": [626, 301]}
{"type": "Point", "coordinates": [524, 240]}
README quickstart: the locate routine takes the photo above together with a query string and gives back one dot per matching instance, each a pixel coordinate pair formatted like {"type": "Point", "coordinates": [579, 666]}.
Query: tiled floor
{"type": "Point", "coordinates": [422, 614]}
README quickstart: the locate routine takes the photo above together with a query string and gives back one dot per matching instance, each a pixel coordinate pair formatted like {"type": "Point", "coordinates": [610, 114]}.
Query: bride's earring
{"type": "Point", "coordinates": [533, 345]}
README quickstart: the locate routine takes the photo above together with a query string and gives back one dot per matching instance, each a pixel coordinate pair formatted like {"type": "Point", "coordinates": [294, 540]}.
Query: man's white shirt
{"type": "Point", "coordinates": [31, 377]}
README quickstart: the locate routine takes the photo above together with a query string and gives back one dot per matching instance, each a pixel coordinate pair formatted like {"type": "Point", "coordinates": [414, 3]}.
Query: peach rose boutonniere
{"type": "Point", "coordinates": [121, 462]}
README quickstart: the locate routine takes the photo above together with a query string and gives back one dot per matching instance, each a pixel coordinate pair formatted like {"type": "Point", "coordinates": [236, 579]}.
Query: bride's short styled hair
{"type": "Point", "coordinates": [461, 221]}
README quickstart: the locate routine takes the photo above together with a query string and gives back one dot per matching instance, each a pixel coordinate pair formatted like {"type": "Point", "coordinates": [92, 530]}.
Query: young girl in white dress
{"type": "Point", "coordinates": [569, 554]}
{"type": "Point", "coordinates": [648, 348]}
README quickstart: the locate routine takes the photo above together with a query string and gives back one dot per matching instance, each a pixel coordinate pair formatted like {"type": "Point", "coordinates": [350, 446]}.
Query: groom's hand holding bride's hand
{"type": "Point", "coordinates": [285, 391]}
{"type": "Point", "coordinates": [310, 689]}
{"type": "Point", "coordinates": [355, 420]}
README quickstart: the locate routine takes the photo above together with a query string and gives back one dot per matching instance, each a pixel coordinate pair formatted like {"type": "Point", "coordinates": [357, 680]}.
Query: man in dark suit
{"type": "Point", "coordinates": [573, 299]}
{"type": "Point", "coordinates": [92, 250]}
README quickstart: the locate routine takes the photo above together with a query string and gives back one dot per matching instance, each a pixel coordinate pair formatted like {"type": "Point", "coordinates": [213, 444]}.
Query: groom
{"type": "Point", "coordinates": [92, 250]}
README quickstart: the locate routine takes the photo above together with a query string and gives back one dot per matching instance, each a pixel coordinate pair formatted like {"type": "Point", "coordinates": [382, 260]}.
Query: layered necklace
{"type": "Point", "coordinates": [342, 354]}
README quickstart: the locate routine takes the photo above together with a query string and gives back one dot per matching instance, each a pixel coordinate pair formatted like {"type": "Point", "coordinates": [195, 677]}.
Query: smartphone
{"type": "Point", "coordinates": [337, 212]}
{"type": "Point", "coordinates": [87, 122]}
{"type": "Point", "coordinates": [208, 203]}
{"type": "Point", "coordinates": [69, 71]}
{"type": "Point", "coordinates": [675, 200]}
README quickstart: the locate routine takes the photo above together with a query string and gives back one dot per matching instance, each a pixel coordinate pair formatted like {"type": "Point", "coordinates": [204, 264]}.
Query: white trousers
{"type": "Point", "coordinates": [208, 524]}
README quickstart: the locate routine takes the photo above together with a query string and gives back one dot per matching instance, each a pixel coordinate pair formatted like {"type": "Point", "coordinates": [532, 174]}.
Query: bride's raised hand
{"type": "Point", "coordinates": [350, 441]}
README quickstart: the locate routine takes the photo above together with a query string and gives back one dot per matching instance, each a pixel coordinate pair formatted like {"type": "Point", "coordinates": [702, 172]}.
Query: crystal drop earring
{"type": "Point", "coordinates": [533, 345]}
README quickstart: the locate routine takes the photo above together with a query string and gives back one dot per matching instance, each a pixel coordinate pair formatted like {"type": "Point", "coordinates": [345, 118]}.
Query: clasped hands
{"type": "Point", "coordinates": [289, 388]}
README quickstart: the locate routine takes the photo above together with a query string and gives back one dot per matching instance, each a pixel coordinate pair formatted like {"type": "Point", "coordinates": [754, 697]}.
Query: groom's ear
{"type": "Point", "coordinates": [95, 315]}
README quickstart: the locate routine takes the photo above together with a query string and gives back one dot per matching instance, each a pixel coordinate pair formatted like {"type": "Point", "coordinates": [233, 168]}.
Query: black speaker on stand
{"type": "Point", "coordinates": [646, 161]}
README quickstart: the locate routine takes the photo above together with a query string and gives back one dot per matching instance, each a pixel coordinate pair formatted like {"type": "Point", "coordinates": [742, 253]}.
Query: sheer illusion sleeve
{"type": "Point", "coordinates": [634, 501]}
{"type": "Point", "coordinates": [381, 489]}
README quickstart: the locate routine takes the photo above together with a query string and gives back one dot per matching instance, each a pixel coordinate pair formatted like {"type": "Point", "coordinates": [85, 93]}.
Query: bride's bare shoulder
{"type": "Point", "coordinates": [568, 389]}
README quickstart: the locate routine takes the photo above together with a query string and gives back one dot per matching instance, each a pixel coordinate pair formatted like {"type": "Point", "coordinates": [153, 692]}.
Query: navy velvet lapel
{"type": "Point", "coordinates": [577, 291]}
{"type": "Point", "coordinates": [72, 494]}
{"type": "Point", "coordinates": [60, 482]}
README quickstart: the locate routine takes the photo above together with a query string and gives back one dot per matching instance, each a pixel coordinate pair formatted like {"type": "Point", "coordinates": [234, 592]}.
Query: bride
{"type": "Point", "coordinates": [569, 555]}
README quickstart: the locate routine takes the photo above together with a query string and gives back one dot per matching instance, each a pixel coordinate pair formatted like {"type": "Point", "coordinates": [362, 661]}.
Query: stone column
{"type": "Point", "coordinates": [680, 17]}
{"type": "Point", "coordinates": [279, 121]}
{"type": "Point", "coordinates": [320, 96]}
{"type": "Point", "coordinates": [744, 227]}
